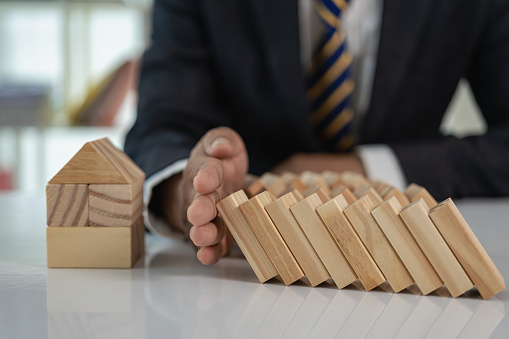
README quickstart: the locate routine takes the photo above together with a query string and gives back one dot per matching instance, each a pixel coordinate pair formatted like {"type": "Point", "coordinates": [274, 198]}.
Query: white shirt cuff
{"type": "Point", "coordinates": [157, 225]}
{"type": "Point", "coordinates": [381, 163]}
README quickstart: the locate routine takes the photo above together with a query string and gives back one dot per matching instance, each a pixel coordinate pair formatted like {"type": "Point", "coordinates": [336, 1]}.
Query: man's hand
{"type": "Point", "coordinates": [217, 167]}
{"type": "Point", "coordinates": [319, 162]}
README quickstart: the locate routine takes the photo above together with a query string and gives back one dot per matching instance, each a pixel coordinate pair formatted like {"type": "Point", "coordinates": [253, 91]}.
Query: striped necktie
{"type": "Point", "coordinates": [330, 84]}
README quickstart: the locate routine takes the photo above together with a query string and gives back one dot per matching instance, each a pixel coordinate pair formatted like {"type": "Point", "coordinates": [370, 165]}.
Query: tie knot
{"type": "Point", "coordinates": [330, 10]}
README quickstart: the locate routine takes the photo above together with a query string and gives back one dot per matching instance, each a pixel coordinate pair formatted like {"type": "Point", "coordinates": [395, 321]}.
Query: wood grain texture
{"type": "Point", "coordinates": [332, 214]}
{"type": "Point", "coordinates": [99, 162]}
{"type": "Point", "coordinates": [88, 166]}
{"type": "Point", "coordinates": [347, 194]}
{"type": "Point", "coordinates": [322, 241]}
{"type": "Point", "coordinates": [120, 160]}
{"type": "Point", "coordinates": [467, 248]}
{"type": "Point", "coordinates": [364, 190]}
{"type": "Point", "coordinates": [410, 253]}
{"type": "Point", "coordinates": [359, 214]}
{"type": "Point", "coordinates": [94, 247]}
{"type": "Point", "coordinates": [414, 192]}
{"type": "Point", "coordinates": [294, 236]}
{"type": "Point", "coordinates": [115, 205]}
{"type": "Point", "coordinates": [394, 192]}
{"type": "Point", "coordinates": [435, 248]}
{"type": "Point", "coordinates": [67, 205]}
{"type": "Point", "coordinates": [257, 217]}
{"type": "Point", "coordinates": [229, 210]}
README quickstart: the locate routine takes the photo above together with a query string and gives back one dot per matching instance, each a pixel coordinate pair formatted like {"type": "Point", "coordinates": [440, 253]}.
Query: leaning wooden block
{"type": "Point", "coordinates": [467, 248]}
{"type": "Point", "coordinates": [256, 187]}
{"type": "Point", "coordinates": [347, 194]}
{"type": "Point", "coordinates": [387, 216]}
{"type": "Point", "coordinates": [434, 247]}
{"type": "Point", "coordinates": [322, 241]}
{"type": "Point", "coordinates": [414, 192]}
{"type": "Point", "coordinates": [94, 247]}
{"type": "Point", "coordinates": [294, 236]}
{"type": "Point", "coordinates": [350, 243]}
{"type": "Point", "coordinates": [67, 205]}
{"type": "Point", "coordinates": [359, 214]}
{"type": "Point", "coordinates": [273, 183]}
{"type": "Point", "coordinates": [115, 205]}
{"type": "Point", "coordinates": [353, 180]}
{"type": "Point", "coordinates": [269, 237]}
{"type": "Point", "coordinates": [288, 177]}
{"type": "Point", "coordinates": [394, 192]}
{"type": "Point", "coordinates": [244, 236]}
{"type": "Point", "coordinates": [364, 190]}
{"type": "Point", "coordinates": [299, 185]}
{"type": "Point", "coordinates": [330, 177]}
{"type": "Point", "coordinates": [312, 189]}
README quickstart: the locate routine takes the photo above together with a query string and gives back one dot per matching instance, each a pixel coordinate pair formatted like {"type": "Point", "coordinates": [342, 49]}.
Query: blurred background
{"type": "Point", "coordinates": [68, 74]}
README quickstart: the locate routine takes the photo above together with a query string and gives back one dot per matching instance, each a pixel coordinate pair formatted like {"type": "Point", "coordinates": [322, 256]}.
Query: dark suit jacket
{"type": "Point", "coordinates": [236, 63]}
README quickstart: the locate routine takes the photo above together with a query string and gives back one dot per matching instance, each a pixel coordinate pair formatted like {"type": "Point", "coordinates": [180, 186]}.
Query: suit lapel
{"type": "Point", "coordinates": [278, 26]}
{"type": "Point", "coordinates": [402, 24]}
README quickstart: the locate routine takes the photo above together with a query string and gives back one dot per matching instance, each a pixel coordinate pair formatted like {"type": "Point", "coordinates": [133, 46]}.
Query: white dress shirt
{"type": "Point", "coordinates": [361, 22]}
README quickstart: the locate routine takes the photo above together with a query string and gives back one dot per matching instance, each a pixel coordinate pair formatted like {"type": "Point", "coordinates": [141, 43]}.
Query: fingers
{"type": "Point", "coordinates": [207, 235]}
{"type": "Point", "coordinates": [222, 142]}
{"type": "Point", "coordinates": [209, 176]}
{"type": "Point", "coordinates": [210, 255]}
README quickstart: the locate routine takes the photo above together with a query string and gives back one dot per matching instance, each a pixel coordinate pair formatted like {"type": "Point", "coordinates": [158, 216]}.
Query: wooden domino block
{"type": "Point", "coordinates": [256, 187]}
{"type": "Point", "coordinates": [353, 180]}
{"type": "Point", "coordinates": [322, 241]}
{"type": "Point", "coordinates": [312, 189]}
{"type": "Point", "coordinates": [273, 183]}
{"type": "Point", "coordinates": [115, 205]}
{"type": "Point", "coordinates": [330, 177]}
{"type": "Point", "coordinates": [467, 248]}
{"type": "Point", "coordinates": [309, 177]}
{"type": "Point", "coordinates": [244, 236]}
{"type": "Point", "coordinates": [94, 247]}
{"type": "Point", "coordinates": [414, 192]}
{"type": "Point", "coordinates": [299, 185]}
{"type": "Point", "coordinates": [269, 237]}
{"type": "Point", "coordinates": [347, 194]}
{"type": "Point", "coordinates": [296, 193]}
{"type": "Point", "coordinates": [394, 192]}
{"type": "Point", "coordinates": [288, 177]}
{"type": "Point", "coordinates": [364, 190]}
{"type": "Point", "coordinates": [434, 247]}
{"type": "Point", "coordinates": [350, 243]}
{"type": "Point", "coordinates": [67, 205]}
{"type": "Point", "coordinates": [387, 216]}
{"type": "Point", "coordinates": [359, 214]}
{"type": "Point", "coordinates": [294, 236]}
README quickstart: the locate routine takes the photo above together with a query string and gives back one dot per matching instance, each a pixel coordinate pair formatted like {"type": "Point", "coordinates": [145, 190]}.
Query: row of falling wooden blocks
{"type": "Point", "coordinates": [344, 227]}
{"type": "Point", "coordinates": [94, 206]}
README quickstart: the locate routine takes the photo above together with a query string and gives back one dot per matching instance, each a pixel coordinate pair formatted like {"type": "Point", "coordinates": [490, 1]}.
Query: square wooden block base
{"type": "Point", "coordinates": [95, 247]}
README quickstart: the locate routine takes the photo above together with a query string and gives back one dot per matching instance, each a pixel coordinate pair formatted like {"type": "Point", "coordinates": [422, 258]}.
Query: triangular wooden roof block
{"type": "Point", "coordinates": [99, 162]}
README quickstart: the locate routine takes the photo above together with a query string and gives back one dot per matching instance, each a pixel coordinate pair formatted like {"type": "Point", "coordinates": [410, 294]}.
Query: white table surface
{"type": "Point", "coordinates": [170, 295]}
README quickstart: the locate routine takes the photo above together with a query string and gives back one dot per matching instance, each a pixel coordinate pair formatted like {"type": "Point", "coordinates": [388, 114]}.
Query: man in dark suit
{"type": "Point", "coordinates": [239, 64]}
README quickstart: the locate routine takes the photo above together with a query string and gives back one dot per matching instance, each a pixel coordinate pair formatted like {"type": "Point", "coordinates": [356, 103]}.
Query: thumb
{"type": "Point", "coordinates": [218, 143]}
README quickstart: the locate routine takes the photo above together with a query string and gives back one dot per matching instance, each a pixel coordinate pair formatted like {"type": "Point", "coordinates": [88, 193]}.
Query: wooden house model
{"type": "Point", "coordinates": [94, 210]}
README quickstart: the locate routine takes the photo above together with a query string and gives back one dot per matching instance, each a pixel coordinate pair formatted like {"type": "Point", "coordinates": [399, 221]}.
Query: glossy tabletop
{"type": "Point", "coordinates": [170, 295]}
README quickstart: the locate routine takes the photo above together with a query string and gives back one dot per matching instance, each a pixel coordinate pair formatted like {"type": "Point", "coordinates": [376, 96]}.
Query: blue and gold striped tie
{"type": "Point", "coordinates": [330, 84]}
